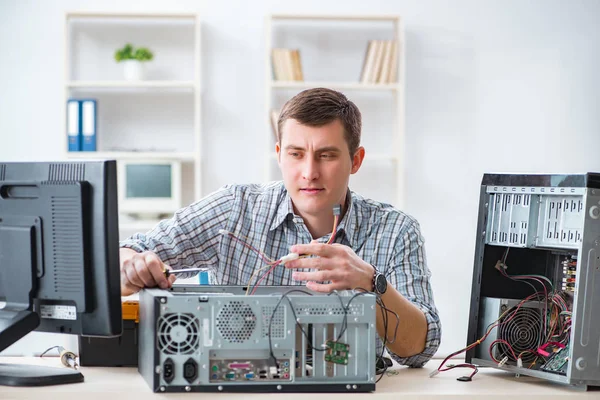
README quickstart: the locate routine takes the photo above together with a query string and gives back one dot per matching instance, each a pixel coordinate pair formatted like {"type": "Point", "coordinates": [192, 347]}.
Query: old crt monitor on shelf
{"type": "Point", "coordinates": [149, 188]}
{"type": "Point", "coordinates": [59, 257]}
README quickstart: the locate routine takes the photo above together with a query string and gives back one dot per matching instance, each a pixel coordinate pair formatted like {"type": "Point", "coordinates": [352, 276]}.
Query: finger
{"type": "Point", "coordinates": [156, 269]}
{"type": "Point", "coordinates": [131, 274]}
{"type": "Point", "coordinates": [142, 272]}
{"type": "Point", "coordinates": [126, 285]}
{"type": "Point", "coordinates": [128, 289]}
{"type": "Point", "coordinates": [324, 287]}
{"type": "Point", "coordinates": [171, 279]}
{"type": "Point", "coordinates": [319, 263]}
{"type": "Point", "coordinates": [319, 276]}
{"type": "Point", "coordinates": [317, 249]}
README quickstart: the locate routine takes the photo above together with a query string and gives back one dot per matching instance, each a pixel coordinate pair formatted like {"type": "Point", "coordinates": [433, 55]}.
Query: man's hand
{"type": "Point", "coordinates": [335, 263]}
{"type": "Point", "coordinates": [140, 270]}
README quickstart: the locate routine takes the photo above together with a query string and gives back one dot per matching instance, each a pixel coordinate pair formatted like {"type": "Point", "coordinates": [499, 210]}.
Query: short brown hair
{"type": "Point", "coordinates": [320, 106]}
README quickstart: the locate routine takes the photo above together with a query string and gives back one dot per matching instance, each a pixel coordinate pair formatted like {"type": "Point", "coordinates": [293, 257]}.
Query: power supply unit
{"type": "Point", "coordinates": [536, 279]}
{"type": "Point", "coordinates": [280, 339]}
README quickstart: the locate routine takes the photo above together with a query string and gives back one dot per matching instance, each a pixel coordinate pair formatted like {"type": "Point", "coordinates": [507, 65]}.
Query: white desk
{"type": "Point", "coordinates": [126, 383]}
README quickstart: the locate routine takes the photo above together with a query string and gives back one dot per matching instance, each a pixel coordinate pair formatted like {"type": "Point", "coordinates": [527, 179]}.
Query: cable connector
{"type": "Point", "coordinates": [503, 361]}
{"type": "Point", "coordinates": [519, 362]}
{"type": "Point", "coordinates": [289, 257]}
{"type": "Point", "coordinates": [434, 373]}
{"type": "Point", "coordinates": [337, 210]}
{"type": "Point", "coordinates": [68, 358]}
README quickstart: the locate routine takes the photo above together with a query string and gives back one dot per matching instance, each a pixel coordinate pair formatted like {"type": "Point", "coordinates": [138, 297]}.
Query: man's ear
{"type": "Point", "coordinates": [278, 151]}
{"type": "Point", "coordinates": [357, 159]}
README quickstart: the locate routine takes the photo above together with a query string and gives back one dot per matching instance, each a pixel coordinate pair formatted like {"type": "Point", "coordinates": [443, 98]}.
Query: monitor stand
{"type": "Point", "coordinates": [18, 282]}
{"type": "Point", "coordinates": [13, 326]}
{"type": "Point", "coordinates": [34, 375]}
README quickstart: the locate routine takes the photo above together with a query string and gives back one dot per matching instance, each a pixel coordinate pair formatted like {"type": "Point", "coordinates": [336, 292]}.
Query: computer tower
{"type": "Point", "coordinates": [536, 281]}
{"type": "Point", "coordinates": [280, 339]}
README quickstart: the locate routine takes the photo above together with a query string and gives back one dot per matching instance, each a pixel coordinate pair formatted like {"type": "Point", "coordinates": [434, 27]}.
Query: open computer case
{"type": "Point", "coordinates": [536, 282]}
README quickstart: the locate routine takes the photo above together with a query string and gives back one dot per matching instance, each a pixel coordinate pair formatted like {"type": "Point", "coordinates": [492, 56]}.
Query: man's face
{"type": "Point", "coordinates": [316, 165]}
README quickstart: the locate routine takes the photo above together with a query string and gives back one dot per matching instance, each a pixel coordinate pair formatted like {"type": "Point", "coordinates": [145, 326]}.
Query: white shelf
{"type": "Point", "coordinates": [387, 18]}
{"type": "Point", "coordinates": [384, 158]}
{"type": "Point", "coordinates": [131, 155]}
{"type": "Point", "coordinates": [134, 112]}
{"type": "Point", "coordinates": [88, 14]}
{"type": "Point", "coordinates": [334, 85]}
{"type": "Point", "coordinates": [131, 84]}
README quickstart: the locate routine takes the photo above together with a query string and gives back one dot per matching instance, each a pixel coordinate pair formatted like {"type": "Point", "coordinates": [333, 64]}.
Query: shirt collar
{"type": "Point", "coordinates": [347, 225]}
{"type": "Point", "coordinates": [284, 208]}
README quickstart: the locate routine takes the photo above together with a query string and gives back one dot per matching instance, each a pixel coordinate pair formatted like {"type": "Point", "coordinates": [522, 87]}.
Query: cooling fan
{"type": "Point", "coordinates": [523, 331]}
{"type": "Point", "coordinates": [177, 333]}
{"type": "Point", "coordinates": [236, 322]}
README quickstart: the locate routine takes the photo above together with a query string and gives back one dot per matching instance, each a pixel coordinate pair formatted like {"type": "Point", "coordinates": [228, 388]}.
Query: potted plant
{"type": "Point", "coordinates": [133, 60]}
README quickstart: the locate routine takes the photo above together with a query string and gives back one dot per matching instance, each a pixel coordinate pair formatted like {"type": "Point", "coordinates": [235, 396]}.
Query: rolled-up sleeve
{"type": "Point", "coordinates": [409, 274]}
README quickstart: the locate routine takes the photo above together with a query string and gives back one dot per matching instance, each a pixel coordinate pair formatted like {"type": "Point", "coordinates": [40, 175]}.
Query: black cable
{"type": "Point", "coordinates": [384, 316]}
{"type": "Point", "coordinates": [284, 296]}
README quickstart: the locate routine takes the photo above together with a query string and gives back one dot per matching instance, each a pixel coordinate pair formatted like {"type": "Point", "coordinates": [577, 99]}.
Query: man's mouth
{"type": "Point", "coordinates": [311, 190]}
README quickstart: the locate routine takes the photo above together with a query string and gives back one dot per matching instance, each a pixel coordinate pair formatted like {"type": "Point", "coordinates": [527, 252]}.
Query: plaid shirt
{"type": "Point", "coordinates": [263, 216]}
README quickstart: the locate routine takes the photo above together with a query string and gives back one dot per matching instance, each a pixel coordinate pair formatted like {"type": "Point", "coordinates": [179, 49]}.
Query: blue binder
{"type": "Point", "coordinates": [88, 125]}
{"type": "Point", "coordinates": [73, 125]}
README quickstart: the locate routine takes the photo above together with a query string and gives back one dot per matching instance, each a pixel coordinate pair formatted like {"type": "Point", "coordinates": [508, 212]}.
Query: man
{"type": "Point", "coordinates": [376, 247]}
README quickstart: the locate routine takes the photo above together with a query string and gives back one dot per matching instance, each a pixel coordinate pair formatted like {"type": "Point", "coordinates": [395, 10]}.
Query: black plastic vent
{"type": "Point", "coordinates": [521, 329]}
{"type": "Point", "coordinates": [71, 172]}
{"type": "Point", "coordinates": [68, 258]}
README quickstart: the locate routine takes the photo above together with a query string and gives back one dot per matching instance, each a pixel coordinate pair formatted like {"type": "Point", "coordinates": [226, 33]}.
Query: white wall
{"type": "Point", "coordinates": [491, 86]}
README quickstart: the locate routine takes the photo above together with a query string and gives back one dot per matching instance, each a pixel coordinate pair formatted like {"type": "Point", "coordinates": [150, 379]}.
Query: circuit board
{"type": "Point", "coordinates": [337, 352]}
{"type": "Point", "coordinates": [558, 363]}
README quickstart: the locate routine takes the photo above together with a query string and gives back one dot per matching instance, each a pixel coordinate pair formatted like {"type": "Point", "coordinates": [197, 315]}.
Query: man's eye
{"type": "Point", "coordinates": [295, 155]}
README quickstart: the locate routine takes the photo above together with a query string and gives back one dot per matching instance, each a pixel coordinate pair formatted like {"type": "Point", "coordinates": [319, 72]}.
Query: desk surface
{"type": "Point", "coordinates": [126, 383]}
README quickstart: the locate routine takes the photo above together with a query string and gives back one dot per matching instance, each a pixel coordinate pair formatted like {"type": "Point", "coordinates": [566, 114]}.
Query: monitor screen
{"type": "Point", "coordinates": [59, 251]}
{"type": "Point", "coordinates": [148, 180]}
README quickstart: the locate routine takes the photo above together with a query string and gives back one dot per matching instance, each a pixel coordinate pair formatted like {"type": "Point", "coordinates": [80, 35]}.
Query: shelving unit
{"type": "Point", "coordinates": [155, 119]}
{"type": "Point", "coordinates": [332, 51]}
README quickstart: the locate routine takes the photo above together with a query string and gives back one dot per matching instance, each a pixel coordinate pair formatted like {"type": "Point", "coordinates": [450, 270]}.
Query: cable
{"type": "Point", "coordinates": [289, 257]}
{"type": "Point", "coordinates": [67, 357]}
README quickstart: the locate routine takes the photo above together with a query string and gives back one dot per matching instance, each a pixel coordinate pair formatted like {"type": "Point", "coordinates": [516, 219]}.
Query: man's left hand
{"type": "Point", "coordinates": [335, 263]}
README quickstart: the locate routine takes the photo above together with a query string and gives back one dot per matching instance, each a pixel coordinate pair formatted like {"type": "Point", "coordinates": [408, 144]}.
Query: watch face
{"type": "Point", "coordinates": [380, 283]}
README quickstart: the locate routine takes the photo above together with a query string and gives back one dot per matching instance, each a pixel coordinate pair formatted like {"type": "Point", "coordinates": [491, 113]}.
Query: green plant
{"type": "Point", "coordinates": [129, 53]}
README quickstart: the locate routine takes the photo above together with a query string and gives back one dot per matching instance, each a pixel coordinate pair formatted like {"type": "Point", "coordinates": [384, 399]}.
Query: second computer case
{"type": "Point", "coordinates": [538, 233]}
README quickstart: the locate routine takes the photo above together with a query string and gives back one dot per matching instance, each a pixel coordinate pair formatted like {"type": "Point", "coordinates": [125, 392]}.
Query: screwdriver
{"type": "Point", "coordinates": [169, 272]}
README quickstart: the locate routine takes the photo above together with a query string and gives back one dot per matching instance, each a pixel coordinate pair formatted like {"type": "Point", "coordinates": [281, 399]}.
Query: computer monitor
{"type": "Point", "coordinates": [149, 188]}
{"type": "Point", "coordinates": [59, 257]}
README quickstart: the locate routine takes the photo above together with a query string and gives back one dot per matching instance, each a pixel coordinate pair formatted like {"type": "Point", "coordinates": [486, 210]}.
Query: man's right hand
{"type": "Point", "coordinates": [140, 270]}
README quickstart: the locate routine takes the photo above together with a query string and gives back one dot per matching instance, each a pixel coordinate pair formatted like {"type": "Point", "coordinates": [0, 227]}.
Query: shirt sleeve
{"type": "Point", "coordinates": [190, 238]}
{"type": "Point", "coordinates": [409, 274]}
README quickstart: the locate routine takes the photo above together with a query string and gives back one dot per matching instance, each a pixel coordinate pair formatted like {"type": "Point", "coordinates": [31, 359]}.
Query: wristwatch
{"type": "Point", "coordinates": [379, 282]}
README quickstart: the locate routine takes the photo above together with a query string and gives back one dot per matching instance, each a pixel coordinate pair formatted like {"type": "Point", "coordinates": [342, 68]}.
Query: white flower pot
{"type": "Point", "coordinates": [133, 70]}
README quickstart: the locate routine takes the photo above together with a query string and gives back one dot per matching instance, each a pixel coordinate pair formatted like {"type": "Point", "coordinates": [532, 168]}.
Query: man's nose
{"type": "Point", "coordinates": [310, 169]}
